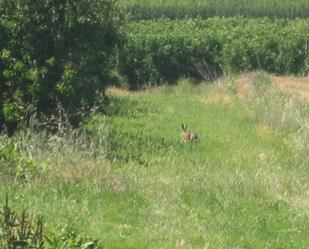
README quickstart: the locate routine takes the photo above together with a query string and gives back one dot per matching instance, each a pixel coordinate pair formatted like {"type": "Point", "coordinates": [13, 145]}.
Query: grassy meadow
{"type": "Point", "coordinates": [91, 147]}
{"type": "Point", "coordinates": [126, 179]}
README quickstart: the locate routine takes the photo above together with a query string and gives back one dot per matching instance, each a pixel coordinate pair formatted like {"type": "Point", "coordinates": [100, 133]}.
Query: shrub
{"type": "Point", "coordinates": [55, 54]}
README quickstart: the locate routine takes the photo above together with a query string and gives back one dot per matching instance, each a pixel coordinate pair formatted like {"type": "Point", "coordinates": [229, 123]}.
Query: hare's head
{"type": "Point", "coordinates": [187, 136]}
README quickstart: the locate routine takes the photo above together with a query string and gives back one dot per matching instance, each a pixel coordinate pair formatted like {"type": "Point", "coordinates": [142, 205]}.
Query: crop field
{"type": "Point", "coordinates": [164, 50]}
{"type": "Point", "coordinates": [175, 9]}
{"type": "Point", "coordinates": [126, 178]}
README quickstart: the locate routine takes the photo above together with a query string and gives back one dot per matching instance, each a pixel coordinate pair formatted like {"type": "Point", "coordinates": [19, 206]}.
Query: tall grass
{"type": "Point", "coordinates": [282, 112]}
{"type": "Point", "coordinates": [131, 182]}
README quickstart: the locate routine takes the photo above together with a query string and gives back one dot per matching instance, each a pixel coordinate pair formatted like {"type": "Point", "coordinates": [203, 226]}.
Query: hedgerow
{"type": "Point", "coordinates": [163, 51]}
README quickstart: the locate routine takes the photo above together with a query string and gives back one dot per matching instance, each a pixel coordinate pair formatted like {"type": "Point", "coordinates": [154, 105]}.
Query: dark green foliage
{"type": "Point", "coordinates": [20, 231]}
{"type": "Point", "coordinates": [54, 56]}
{"type": "Point", "coordinates": [162, 51]}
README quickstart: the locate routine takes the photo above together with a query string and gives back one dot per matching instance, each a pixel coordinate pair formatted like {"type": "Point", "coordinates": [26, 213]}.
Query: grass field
{"type": "Point", "coordinates": [127, 180]}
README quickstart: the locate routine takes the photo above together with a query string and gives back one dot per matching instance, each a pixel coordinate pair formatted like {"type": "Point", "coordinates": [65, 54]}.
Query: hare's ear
{"type": "Point", "coordinates": [183, 127]}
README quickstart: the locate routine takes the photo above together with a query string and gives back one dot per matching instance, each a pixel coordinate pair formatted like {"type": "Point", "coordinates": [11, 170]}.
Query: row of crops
{"type": "Point", "coordinates": [141, 10]}
{"type": "Point", "coordinates": [163, 50]}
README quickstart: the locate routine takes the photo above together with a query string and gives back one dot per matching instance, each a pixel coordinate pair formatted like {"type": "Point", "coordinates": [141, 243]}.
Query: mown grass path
{"type": "Point", "coordinates": [236, 186]}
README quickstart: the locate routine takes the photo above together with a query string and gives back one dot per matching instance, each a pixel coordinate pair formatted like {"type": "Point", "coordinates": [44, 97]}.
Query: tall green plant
{"type": "Point", "coordinates": [20, 231]}
{"type": "Point", "coordinates": [23, 231]}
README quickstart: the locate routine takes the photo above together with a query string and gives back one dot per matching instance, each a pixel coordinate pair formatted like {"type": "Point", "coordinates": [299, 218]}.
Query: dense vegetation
{"type": "Point", "coordinates": [150, 9]}
{"type": "Point", "coordinates": [48, 50]}
{"type": "Point", "coordinates": [165, 50]}
{"type": "Point", "coordinates": [126, 179]}
{"type": "Point", "coordinates": [48, 53]}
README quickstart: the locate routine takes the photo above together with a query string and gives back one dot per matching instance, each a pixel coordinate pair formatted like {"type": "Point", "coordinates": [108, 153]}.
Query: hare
{"type": "Point", "coordinates": [187, 136]}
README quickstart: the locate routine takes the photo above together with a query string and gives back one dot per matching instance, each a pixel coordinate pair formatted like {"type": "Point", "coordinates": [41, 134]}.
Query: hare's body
{"type": "Point", "coordinates": [187, 136]}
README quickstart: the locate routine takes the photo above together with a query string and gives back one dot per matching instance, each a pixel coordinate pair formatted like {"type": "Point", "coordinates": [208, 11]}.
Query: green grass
{"type": "Point", "coordinates": [242, 185]}
{"type": "Point", "coordinates": [173, 9]}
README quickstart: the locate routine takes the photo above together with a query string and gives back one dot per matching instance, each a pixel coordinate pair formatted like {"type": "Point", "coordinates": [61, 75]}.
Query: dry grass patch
{"type": "Point", "coordinates": [97, 172]}
{"type": "Point", "coordinates": [296, 86]}
{"type": "Point", "coordinates": [244, 85]}
{"type": "Point", "coordinates": [77, 170]}
{"type": "Point", "coordinates": [118, 91]}
{"type": "Point", "coordinates": [217, 98]}
{"type": "Point", "coordinates": [301, 202]}
{"type": "Point", "coordinates": [219, 95]}
{"type": "Point", "coordinates": [265, 131]}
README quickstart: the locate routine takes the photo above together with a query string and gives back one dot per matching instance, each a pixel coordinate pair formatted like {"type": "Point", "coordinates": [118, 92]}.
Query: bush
{"type": "Point", "coordinates": [55, 55]}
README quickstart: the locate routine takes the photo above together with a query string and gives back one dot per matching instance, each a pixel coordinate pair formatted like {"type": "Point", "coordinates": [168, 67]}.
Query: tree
{"type": "Point", "coordinates": [55, 54]}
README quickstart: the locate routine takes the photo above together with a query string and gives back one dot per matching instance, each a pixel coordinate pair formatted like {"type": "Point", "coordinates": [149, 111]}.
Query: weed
{"type": "Point", "coordinates": [20, 231]}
